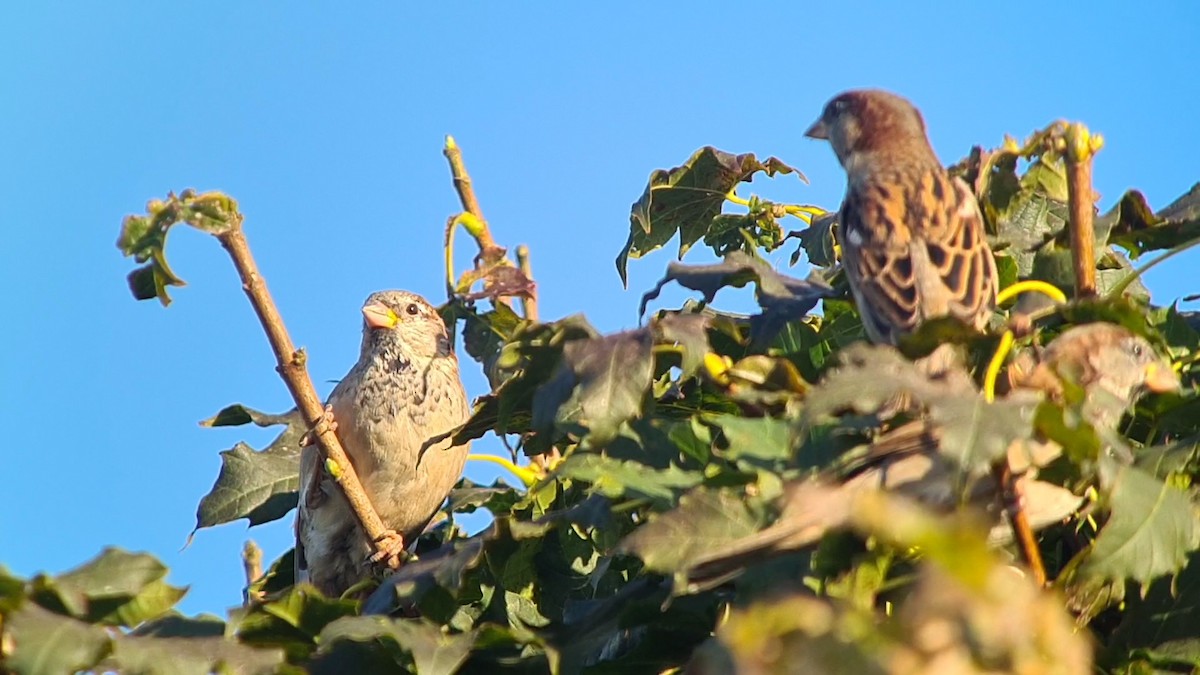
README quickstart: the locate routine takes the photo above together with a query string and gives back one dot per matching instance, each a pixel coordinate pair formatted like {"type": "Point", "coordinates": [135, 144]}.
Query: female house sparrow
{"type": "Point", "coordinates": [1113, 366]}
{"type": "Point", "coordinates": [912, 237]}
{"type": "Point", "coordinates": [404, 390]}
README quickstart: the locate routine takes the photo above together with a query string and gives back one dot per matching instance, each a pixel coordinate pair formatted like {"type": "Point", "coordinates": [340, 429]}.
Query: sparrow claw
{"type": "Point", "coordinates": [389, 549]}
{"type": "Point", "coordinates": [325, 423]}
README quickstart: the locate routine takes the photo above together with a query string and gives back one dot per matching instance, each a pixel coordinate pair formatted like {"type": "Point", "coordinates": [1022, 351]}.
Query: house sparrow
{"type": "Point", "coordinates": [404, 391]}
{"type": "Point", "coordinates": [912, 236]}
{"type": "Point", "coordinates": [1113, 366]}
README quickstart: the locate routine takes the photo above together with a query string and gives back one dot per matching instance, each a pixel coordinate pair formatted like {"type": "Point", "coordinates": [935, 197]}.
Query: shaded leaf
{"type": "Point", "coordinates": [817, 241]}
{"type": "Point", "coordinates": [782, 298]}
{"type": "Point", "coordinates": [259, 486]}
{"type": "Point", "coordinates": [1137, 229]}
{"type": "Point", "coordinates": [432, 650]}
{"type": "Point", "coordinates": [600, 384]}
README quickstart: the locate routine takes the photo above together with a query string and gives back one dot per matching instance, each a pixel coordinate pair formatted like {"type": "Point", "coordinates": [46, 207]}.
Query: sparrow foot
{"type": "Point", "coordinates": [390, 551]}
{"type": "Point", "coordinates": [326, 423]}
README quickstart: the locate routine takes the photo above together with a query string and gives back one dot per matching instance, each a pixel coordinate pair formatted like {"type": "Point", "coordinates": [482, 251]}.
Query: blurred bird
{"type": "Point", "coordinates": [913, 239]}
{"type": "Point", "coordinates": [403, 391]}
{"type": "Point", "coordinates": [1112, 365]}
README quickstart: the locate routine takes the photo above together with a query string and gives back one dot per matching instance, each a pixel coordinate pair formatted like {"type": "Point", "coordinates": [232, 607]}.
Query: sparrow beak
{"type": "Point", "coordinates": [819, 130]}
{"type": "Point", "coordinates": [379, 316]}
{"type": "Point", "coordinates": [1161, 378]}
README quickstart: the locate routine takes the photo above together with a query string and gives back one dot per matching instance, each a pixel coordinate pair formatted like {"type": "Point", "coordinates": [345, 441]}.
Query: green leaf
{"type": "Point", "coordinates": [145, 237]}
{"type": "Point", "coordinates": [704, 519]}
{"type": "Point", "coordinates": [291, 620]}
{"type": "Point", "coordinates": [116, 588]}
{"type": "Point", "coordinates": [818, 241]}
{"type": "Point", "coordinates": [191, 655]}
{"type": "Point", "coordinates": [1161, 622]}
{"type": "Point", "coordinates": [432, 649]}
{"type": "Point", "coordinates": [40, 641]}
{"type": "Point", "coordinates": [600, 384]}
{"type": "Point", "coordinates": [259, 486]}
{"type": "Point", "coordinates": [1152, 529]}
{"type": "Point", "coordinates": [762, 438]}
{"type": "Point", "coordinates": [971, 431]}
{"type": "Point", "coordinates": [687, 199]}
{"type": "Point", "coordinates": [615, 478]}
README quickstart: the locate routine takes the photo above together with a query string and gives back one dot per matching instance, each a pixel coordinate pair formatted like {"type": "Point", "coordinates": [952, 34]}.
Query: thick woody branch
{"type": "Point", "coordinates": [1081, 149]}
{"type": "Point", "coordinates": [291, 367]}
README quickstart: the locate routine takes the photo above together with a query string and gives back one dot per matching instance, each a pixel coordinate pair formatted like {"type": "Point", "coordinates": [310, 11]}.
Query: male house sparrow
{"type": "Point", "coordinates": [912, 236]}
{"type": "Point", "coordinates": [404, 390]}
{"type": "Point", "coordinates": [1112, 365]}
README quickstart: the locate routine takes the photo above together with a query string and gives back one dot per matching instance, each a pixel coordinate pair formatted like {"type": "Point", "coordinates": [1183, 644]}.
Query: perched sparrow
{"type": "Point", "coordinates": [404, 391]}
{"type": "Point", "coordinates": [1112, 365]}
{"type": "Point", "coordinates": [912, 237]}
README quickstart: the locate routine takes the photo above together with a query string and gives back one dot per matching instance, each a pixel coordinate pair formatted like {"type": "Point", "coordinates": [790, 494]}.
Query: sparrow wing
{"type": "Point", "coordinates": [917, 253]}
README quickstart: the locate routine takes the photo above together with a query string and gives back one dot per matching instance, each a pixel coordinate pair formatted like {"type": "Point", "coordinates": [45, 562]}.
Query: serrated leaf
{"type": "Point", "coordinates": [1150, 532]}
{"type": "Point", "coordinates": [1161, 623]}
{"type": "Point", "coordinates": [687, 198]}
{"type": "Point", "coordinates": [259, 486]}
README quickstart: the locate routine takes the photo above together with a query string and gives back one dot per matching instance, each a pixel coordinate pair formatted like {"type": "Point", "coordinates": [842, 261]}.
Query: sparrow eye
{"type": "Point", "coordinates": [1136, 349]}
{"type": "Point", "coordinates": [412, 309]}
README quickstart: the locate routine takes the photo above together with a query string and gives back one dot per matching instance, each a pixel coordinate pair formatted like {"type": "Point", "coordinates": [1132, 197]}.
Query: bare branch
{"type": "Point", "coordinates": [291, 367]}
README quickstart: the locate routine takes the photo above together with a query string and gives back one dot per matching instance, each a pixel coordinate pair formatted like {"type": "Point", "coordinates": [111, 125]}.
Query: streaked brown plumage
{"type": "Point", "coordinates": [1113, 366]}
{"type": "Point", "coordinates": [403, 391]}
{"type": "Point", "coordinates": [912, 236]}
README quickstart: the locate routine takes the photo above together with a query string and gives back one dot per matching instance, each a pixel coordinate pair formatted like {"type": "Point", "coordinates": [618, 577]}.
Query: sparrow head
{"type": "Point", "coordinates": [1114, 366]}
{"type": "Point", "coordinates": [863, 122]}
{"type": "Point", "coordinates": [403, 323]}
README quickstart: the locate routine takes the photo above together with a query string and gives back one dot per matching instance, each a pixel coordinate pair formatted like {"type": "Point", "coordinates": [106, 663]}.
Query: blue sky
{"type": "Point", "coordinates": [327, 127]}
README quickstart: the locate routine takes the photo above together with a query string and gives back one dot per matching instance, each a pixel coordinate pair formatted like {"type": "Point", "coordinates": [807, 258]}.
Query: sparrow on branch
{"type": "Point", "coordinates": [392, 413]}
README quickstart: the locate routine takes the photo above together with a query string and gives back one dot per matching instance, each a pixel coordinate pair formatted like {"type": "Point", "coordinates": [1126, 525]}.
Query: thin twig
{"type": "Point", "coordinates": [1081, 148]}
{"type": "Point", "coordinates": [529, 303]}
{"type": "Point", "coordinates": [488, 249]}
{"type": "Point", "coordinates": [1012, 500]}
{"type": "Point", "coordinates": [291, 367]}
